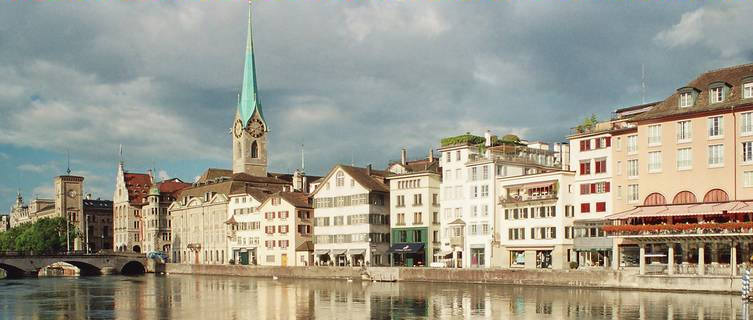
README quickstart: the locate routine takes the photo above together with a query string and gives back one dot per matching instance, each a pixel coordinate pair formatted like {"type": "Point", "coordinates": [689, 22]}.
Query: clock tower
{"type": "Point", "coordinates": [249, 127]}
{"type": "Point", "coordinates": [69, 203]}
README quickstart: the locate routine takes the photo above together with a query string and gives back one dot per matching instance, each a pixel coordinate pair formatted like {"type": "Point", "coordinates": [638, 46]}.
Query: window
{"type": "Point", "coordinates": [748, 90]}
{"type": "Point", "coordinates": [585, 207]}
{"type": "Point", "coordinates": [654, 161]}
{"type": "Point", "coordinates": [619, 144]}
{"type": "Point", "coordinates": [400, 201]}
{"type": "Point", "coordinates": [340, 179]}
{"type": "Point", "coordinates": [654, 135]}
{"type": "Point", "coordinates": [600, 166]}
{"type": "Point", "coordinates": [716, 95]}
{"type": "Point", "coordinates": [715, 127]}
{"type": "Point", "coordinates": [632, 144]}
{"type": "Point", "coordinates": [748, 152]}
{"type": "Point", "coordinates": [474, 192]}
{"type": "Point", "coordinates": [633, 168]}
{"type": "Point", "coordinates": [716, 155]}
{"type": "Point", "coordinates": [484, 191]}
{"type": "Point", "coordinates": [448, 157]}
{"type": "Point", "coordinates": [485, 210]}
{"type": "Point", "coordinates": [619, 168]}
{"type": "Point", "coordinates": [474, 211]}
{"type": "Point", "coordinates": [447, 175]}
{"type": "Point", "coordinates": [748, 179]}
{"type": "Point", "coordinates": [684, 159]}
{"type": "Point", "coordinates": [619, 192]}
{"type": "Point", "coordinates": [417, 218]}
{"type": "Point", "coordinates": [746, 123]}
{"type": "Point", "coordinates": [601, 207]}
{"type": "Point", "coordinates": [435, 199]}
{"type": "Point", "coordinates": [632, 195]}
{"type": "Point", "coordinates": [457, 155]}
{"type": "Point", "coordinates": [684, 129]}
{"type": "Point", "coordinates": [686, 100]}
{"type": "Point", "coordinates": [485, 172]}
{"type": "Point", "coordinates": [417, 200]}
{"type": "Point", "coordinates": [474, 173]}
{"type": "Point", "coordinates": [585, 167]}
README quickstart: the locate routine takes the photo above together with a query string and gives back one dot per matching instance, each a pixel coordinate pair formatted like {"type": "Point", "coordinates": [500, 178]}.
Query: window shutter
{"type": "Point", "coordinates": [593, 188]}
{"type": "Point", "coordinates": [609, 142]}
{"type": "Point", "coordinates": [606, 186]}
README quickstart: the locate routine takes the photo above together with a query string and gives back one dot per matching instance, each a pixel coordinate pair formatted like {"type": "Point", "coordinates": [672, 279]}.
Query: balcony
{"type": "Point", "coordinates": [457, 241]}
{"type": "Point", "coordinates": [517, 199]}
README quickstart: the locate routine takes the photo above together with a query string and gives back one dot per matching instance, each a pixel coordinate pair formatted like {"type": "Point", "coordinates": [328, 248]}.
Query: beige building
{"type": "Point", "coordinates": [688, 160]}
{"type": "Point", "coordinates": [287, 225]}
{"type": "Point", "coordinates": [71, 203]}
{"type": "Point", "coordinates": [415, 237]}
{"type": "Point", "coordinates": [140, 218]}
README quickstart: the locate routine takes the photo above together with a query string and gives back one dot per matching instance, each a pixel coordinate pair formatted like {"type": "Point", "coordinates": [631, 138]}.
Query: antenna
{"type": "Point", "coordinates": [643, 83]}
{"type": "Point", "coordinates": [352, 159]}
{"type": "Point", "coordinates": [69, 162]}
{"type": "Point", "coordinates": [303, 160]}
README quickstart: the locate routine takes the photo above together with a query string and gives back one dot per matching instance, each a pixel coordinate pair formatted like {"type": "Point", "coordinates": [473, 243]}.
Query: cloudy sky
{"type": "Point", "coordinates": [351, 80]}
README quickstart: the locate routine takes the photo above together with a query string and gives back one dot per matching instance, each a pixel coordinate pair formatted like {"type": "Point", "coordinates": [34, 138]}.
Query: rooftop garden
{"type": "Point", "coordinates": [469, 139]}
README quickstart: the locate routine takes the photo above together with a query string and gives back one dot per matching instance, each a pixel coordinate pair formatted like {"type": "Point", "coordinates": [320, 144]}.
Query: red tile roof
{"type": "Point", "coordinates": [138, 185]}
{"type": "Point", "coordinates": [172, 186]}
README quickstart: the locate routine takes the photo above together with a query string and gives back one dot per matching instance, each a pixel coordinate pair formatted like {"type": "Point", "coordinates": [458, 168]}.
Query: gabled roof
{"type": "Point", "coordinates": [138, 185]}
{"type": "Point", "coordinates": [732, 76]}
{"type": "Point", "coordinates": [297, 199]}
{"type": "Point", "coordinates": [172, 186]}
{"type": "Point", "coordinates": [423, 165]}
{"type": "Point", "coordinates": [214, 173]}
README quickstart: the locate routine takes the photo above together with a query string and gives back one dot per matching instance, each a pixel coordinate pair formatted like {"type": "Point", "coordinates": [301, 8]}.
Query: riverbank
{"type": "Point", "coordinates": [592, 279]}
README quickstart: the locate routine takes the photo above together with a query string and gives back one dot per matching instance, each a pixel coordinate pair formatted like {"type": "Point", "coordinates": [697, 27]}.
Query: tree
{"type": "Point", "coordinates": [587, 124]}
{"type": "Point", "coordinates": [46, 235]}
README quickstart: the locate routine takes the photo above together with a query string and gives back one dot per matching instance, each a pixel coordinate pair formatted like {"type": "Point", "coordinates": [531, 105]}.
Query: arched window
{"type": "Point", "coordinates": [340, 179]}
{"type": "Point", "coordinates": [715, 195]}
{"type": "Point", "coordinates": [254, 150]}
{"type": "Point", "coordinates": [654, 199]}
{"type": "Point", "coordinates": [684, 197]}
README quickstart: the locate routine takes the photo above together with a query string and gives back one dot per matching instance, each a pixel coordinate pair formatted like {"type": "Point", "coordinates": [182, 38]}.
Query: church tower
{"type": "Point", "coordinates": [249, 128]}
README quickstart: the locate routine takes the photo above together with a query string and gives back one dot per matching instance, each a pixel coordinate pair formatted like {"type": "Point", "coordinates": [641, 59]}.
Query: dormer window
{"type": "Point", "coordinates": [748, 90]}
{"type": "Point", "coordinates": [716, 95]}
{"type": "Point", "coordinates": [686, 100]}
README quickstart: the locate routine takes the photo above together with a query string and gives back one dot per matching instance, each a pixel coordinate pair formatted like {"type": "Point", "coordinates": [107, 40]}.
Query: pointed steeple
{"type": "Point", "coordinates": [249, 100]}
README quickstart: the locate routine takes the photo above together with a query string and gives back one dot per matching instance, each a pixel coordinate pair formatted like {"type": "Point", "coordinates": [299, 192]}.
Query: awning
{"type": "Point", "coordinates": [680, 210]}
{"type": "Point", "coordinates": [321, 252]}
{"type": "Point", "coordinates": [406, 248]}
{"type": "Point", "coordinates": [337, 252]}
{"type": "Point", "coordinates": [743, 207]}
{"type": "Point", "coordinates": [532, 185]}
{"type": "Point", "coordinates": [356, 251]}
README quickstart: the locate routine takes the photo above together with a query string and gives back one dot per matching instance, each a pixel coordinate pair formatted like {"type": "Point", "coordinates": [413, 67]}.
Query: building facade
{"type": "Point", "coordinates": [686, 178]}
{"type": "Point", "coordinates": [536, 220]}
{"type": "Point", "coordinates": [351, 220]}
{"type": "Point", "coordinates": [287, 230]}
{"type": "Point", "coordinates": [414, 211]}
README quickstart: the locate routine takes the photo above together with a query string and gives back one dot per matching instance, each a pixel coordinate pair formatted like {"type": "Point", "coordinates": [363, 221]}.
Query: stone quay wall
{"type": "Point", "coordinates": [594, 279]}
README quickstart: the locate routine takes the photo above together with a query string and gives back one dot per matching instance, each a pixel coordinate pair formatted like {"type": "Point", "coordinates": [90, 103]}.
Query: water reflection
{"type": "Point", "coordinates": [206, 297]}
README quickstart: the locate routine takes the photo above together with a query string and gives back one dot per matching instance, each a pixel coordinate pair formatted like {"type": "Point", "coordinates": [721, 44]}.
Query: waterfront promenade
{"type": "Point", "coordinates": [628, 279]}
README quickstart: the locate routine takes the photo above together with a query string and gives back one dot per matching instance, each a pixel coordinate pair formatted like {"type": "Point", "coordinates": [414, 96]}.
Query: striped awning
{"type": "Point", "coordinates": [680, 210]}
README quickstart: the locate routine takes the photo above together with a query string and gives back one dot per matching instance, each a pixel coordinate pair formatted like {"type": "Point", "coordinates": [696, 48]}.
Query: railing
{"type": "Point", "coordinates": [680, 229]}
{"type": "Point", "coordinates": [525, 198]}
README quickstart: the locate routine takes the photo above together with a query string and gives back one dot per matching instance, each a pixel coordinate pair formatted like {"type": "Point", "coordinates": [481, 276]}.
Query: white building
{"type": "Point", "coordinates": [470, 165]}
{"type": "Point", "coordinates": [414, 211]}
{"type": "Point", "coordinates": [245, 225]}
{"type": "Point", "coordinates": [351, 217]}
{"type": "Point", "coordinates": [593, 163]}
{"type": "Point", "coordinates": [287, 230]}
{"type": "Point", "coordinates": [535, 220]}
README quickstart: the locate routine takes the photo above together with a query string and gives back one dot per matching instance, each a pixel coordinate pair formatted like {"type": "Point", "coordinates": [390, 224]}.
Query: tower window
{"type": "Point", "coordinates": [254, 150]}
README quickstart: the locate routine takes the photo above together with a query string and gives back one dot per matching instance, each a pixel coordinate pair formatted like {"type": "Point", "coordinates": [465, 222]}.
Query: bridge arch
{"type": "Point", "coordinates": [133, 267]}
{"type": "Point", "coordinates": [12, 271]}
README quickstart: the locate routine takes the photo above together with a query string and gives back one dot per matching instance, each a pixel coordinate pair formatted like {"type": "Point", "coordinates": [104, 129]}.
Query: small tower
{"type": "Point", "coordinates": [249, 127]}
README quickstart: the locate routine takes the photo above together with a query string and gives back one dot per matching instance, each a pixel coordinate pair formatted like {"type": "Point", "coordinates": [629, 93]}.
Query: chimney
{"type": "Point", "coordinates": [431, 155]}
{"type": "Point", "coordinates": [488, 138]}
{"type": "Point", "coordinates": [305, 188]}
{"type": "Point", "coordinates": [403, 156]}
{"type": "Point", "coordinates": [368, 170]}
{"type": "Point", "coordinates": [88, 196]}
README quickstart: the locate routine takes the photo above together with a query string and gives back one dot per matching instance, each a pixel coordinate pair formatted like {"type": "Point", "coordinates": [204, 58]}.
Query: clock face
{"type": "Point", "coordinates": [72, 193]}
{"type": "Point", "coordinates": [256, 128]}
{"type": "Point", "coordinates": [238, 128]}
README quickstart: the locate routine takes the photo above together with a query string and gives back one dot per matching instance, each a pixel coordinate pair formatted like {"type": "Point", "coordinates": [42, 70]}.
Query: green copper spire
{"type": "Point", "coordinates": [249, 94]}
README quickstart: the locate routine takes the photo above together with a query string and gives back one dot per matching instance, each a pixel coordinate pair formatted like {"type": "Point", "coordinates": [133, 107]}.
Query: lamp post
{"type": "Point", "coordinates": [67, 233]}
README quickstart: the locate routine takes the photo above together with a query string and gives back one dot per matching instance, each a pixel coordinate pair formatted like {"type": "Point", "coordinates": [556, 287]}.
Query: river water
{"type": "Point", "coordinates": [222, 297]}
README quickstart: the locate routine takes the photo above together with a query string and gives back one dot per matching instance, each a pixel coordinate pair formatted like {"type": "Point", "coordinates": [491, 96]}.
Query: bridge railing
{"type": "Point", "coordinates": [70, 253]}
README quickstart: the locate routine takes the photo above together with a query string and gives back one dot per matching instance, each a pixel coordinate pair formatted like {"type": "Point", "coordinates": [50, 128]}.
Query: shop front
{"type": "Point", "coordinates": [407, 254]}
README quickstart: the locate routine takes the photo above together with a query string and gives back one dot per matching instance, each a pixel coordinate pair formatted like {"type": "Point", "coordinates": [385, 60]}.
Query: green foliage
{"type": "Point", "coordinates": [44, 236]}
{"type": "Point", "coordinates": [587, 124]}
{"type": "Point", "coordinates": [510, 138]}
{"type": "Point", "coordinates": [466, 138]}
{"type": "Point", "coordinates": [573, 265]}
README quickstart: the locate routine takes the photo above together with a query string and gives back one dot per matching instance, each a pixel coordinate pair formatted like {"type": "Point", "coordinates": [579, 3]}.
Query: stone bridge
{"type": "Point", "coordinates": [16, 265]}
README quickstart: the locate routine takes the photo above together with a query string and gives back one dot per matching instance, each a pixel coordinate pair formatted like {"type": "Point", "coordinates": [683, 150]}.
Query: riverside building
{"type": "Point", "coordinates": [592, 160]}
{"type": "Point", "coordinates": [470, 165]}
{"type": "Point", "coordinates": [414, 211]}
{"type": "Point", "coordinates": [352, 217]}
{"type": "Point", "coordinates": [683, 201]}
